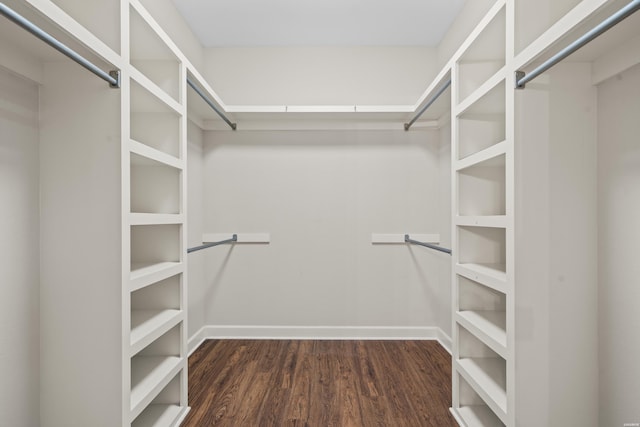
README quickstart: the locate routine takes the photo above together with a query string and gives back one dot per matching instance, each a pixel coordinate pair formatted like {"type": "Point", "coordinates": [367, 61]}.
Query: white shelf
{"type": "Point", "coordinates": [157, 415]}
{"type": "Point", "coordinates": [481, 92]}
{"type": "Point", "coordinates": [485, 155]}
{"type": "Point", "coordinates": [153, 96]}
{"type": "Point", "coordinates": [487, 376]}
{"type": "Point", "coordinates": [149, 325]}
{"type": "Point", "coordinates": [155, 219]}
{"type": "Point", "coordinates": [478, 416]}
{"type": "Point", "coordinates": [145, 274]}
{"type": "Point", "coordinates": [491, 221]}
{"type": "Point", "coordinates": [149, 375]}
{"type": "Point", "coordinates": [491, 275]}
{"type": "Point", "coordinates": [488, 326]}
{"type": "Point", "coordinates": [153, 154]}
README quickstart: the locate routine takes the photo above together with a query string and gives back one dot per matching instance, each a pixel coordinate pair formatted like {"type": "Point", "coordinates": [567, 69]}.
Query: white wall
{"type": "Point", "coordinates": [195, 217]}
{"type": "Point", "coordinates": [321, 194]}
{"type": "Point", "coordinates": [320, 75]}
{"type": "Point", "coordinates": [19, 252]}
{"type": "Point", "coordinates": [619, 246]}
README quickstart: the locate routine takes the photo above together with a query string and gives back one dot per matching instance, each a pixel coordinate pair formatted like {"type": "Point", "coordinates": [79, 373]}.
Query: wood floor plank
{"type": "Point", "coordinates": [319, 383]}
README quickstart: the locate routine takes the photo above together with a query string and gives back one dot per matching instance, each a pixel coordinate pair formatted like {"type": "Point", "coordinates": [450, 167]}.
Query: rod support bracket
{"type": "Point", "coordinates": [116, 75]}
{"type": "Point", "coordinates": [519, 76]}
{"type": "Point", "coordinates": [234, 126]}
{"type": "Point", "coordinates": [406, 126]}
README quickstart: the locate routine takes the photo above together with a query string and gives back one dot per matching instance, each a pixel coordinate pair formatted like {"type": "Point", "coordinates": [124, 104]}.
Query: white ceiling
{"type": "Point", "coordinates": [319, 22]}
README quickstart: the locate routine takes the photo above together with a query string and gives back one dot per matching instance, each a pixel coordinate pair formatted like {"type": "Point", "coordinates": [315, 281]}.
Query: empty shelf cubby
{"type": "Point", "coordinates": [481, 188]}
{"type": "Point", "coordinates": [154, 122]}
{"type": "Point", "coordinates": [484, 57]}
{"type": "Point", "coordinates": [165, 409]}
{"type": "Point", "coordinates": [473, 410]}
{"type": "Point", "coordinates": [484, 370]}
{"type": "Point", "coordinates": [153, 368]}
{"type": "Point", "coordinates": [483, 246]}
{"type": "Point", "coordinates": [154, 310]}
{"type": "Point", "coordinates": [150, 55]}
{"type": "Point", "coordinates": [482, 311]}
{"type": "Point", "coordinates": [155, 187]}
{"type": "Point", "coordinates": [483, 123]}
{"type": "Point", "coordinates": [154, 245]}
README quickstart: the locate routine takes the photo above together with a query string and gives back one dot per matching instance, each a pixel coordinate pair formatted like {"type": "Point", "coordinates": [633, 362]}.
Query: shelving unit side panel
{"type": "Point", "coordinates": [81, 247]}
{"type": "Point", "coordinates": [125, 126]}
{"type": "Point", "coordinates": [184, 235]}
{"type": "Point", "coordinates": [455, 194]}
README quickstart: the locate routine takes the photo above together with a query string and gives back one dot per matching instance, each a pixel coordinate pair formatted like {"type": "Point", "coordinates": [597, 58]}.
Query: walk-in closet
{"type": "Point", "coordinates": [210, 217]}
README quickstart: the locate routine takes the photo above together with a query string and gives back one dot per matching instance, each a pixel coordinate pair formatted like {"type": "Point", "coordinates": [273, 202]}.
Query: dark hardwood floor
{"type": "Point", "coordinates": [319, 383]}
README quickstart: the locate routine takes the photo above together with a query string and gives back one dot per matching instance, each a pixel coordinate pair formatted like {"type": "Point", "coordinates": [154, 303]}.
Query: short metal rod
{"type": "Point", "coordinates": [522, 78]}
{"type": "Point", "coordinates": [211, 104]}
{"type": "Point", "coordinates": [426, 245]}
{"type": "Point", "coordinates": [428, 104]}
{"type": "Point", "coordinates": [234, 238]}
{"type": "Point", "coordinates": [113, 77]}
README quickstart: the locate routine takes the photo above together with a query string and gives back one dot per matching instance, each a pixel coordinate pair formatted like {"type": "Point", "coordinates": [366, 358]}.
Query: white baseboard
{"type": "Point", "coordinates": [320, 333]}
{"type": "Point", "coordinates": [444, 340]}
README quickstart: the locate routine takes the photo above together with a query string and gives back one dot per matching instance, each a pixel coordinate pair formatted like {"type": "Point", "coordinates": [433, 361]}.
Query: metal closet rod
{"type": "Point", "coordinates": [522, 78]}
{"type": "Point", "coordinates": [234, 238]}
{"type": "Point", "coordinates": [428, 104]}
{"type": "Point", "coordinates": [112, 77]}
{"type": "Point", "coordinates": [210, 102]}
{"type": "Point", "coordinates": [426, 245]}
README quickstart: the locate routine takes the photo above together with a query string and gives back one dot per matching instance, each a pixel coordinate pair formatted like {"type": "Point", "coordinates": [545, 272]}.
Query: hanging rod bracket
{"type": "Point", "coordinates": [519, 76]}
{"type": "Point", "coordinates": [116, 75]}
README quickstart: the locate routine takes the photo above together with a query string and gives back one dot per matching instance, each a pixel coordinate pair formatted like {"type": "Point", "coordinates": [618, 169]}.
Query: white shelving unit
{"type": "Point", "coordinates": [483, 225]}
{"type": "Point", "coordinates": [154, 121]}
